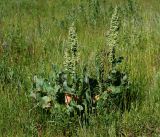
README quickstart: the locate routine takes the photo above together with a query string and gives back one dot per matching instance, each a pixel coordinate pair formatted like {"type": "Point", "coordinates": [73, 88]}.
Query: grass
{"type": "Point", "coordinates": [36, 33]}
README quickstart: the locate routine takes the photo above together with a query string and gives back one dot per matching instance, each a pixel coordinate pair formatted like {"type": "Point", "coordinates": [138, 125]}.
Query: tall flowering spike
{"type": "Point", "coordinates": [100, 65]}
{"type": "Point", "coordinates": [71, 51]}
{"type": "Point", "coordinates": [73, 42]}
{"type": "Point", "coordinates": [67, 60]}
{"type": "Point", "coordinates": [113, 35]}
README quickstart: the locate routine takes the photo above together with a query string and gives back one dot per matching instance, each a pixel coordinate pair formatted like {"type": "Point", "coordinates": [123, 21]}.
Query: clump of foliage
{"type": "Point", "coordinates": [75, 90]}
{"type": "Point", "coordinates": [61, 83]}
{"type": "Point", "coordinates": [114, 87]}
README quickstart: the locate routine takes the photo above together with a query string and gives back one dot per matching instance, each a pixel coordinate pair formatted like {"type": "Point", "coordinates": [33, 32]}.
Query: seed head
{"type": "Point", "coordinates": [71, 51]}
{"type": "Point", "coordinates": [113, 35]}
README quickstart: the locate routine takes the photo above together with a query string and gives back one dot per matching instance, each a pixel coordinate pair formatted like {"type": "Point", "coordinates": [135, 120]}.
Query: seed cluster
{"type": "Point", "coordinates": [113, 35]}
{"type": "Point", "coordinates": [71, 52]}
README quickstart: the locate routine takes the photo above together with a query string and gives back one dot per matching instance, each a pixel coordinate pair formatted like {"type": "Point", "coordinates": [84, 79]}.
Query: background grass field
{"type": "Point", "coordinates": [33, 35]}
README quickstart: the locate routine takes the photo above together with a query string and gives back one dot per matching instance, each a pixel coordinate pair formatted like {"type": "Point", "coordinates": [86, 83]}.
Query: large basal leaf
{"type": "Point", "coordinates": [56, 88]}
{"type": "Point", "coordinates": [36, 95]}
{"type": "Point", "coordinates": [70, 109]}
{"type": "Point", "coordinates": [39, 81]}
{"type": "Point", "coordinates": [46, 102]}
{"type": "Point", "coordinates": [88, 97]}
{"type": "Point", "coordinates": [33, 95]}
{"type": "Point", "coordinates": [67, 88]}
{"type": "Point", "coordinates": [114, 89]}
{"type": "Point", "coordinates": [47, 87]}
{"type": "Point", "coordinates": [79, 107]}
{"type": "Point", "coordinates": [69, 79]}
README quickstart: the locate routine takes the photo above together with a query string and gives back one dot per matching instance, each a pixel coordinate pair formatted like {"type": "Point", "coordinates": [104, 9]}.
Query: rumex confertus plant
{"type": "Point", "coordinates": [76, 90]}
{"type": "Point", "coordinates": [62, 84]}
{"type": "Point", "coordinates": [116, 84]}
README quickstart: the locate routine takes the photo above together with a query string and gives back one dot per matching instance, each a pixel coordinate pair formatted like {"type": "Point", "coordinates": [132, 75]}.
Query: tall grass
{"type": "Point", "coordinates": [33, 35]}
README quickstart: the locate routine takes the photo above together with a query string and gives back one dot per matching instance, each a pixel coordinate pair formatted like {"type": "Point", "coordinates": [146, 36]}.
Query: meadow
{"type": "Point", "coordinates": [34, 35]}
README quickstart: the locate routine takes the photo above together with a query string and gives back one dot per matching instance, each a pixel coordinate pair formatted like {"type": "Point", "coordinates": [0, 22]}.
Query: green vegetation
{"type": "Point", "coordinates": [108, 65]}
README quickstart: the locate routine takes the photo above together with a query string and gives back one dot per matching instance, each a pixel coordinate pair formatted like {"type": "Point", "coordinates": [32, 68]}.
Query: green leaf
{"type": "Point", "coordinates": [79, 107]}
{"type": "Point", "coordinates": [46, 102]}
{"type": "Point", "coordinates": [69, 79]}
{"type": "Point", "coordinates": [88, 97]}
{"type": "Point", "coordinates": [104, 96]}
{"type": "Point", "coordinates": [56, 88]}
{"type": "Point", "coordinates": [70, 109]}
{"type": "Point", "coordinates": [33, 95]}
{"type": "Point", "coordinates": [39, 82]}
{"type": "Point", "coordinates": [114, 89]}
{"type": "Point", "coordinates": [125, 78]}
{"type": "Point", "coordinates": [36, 95]}
{"type": "Point", "coordinates": [47, 87]}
